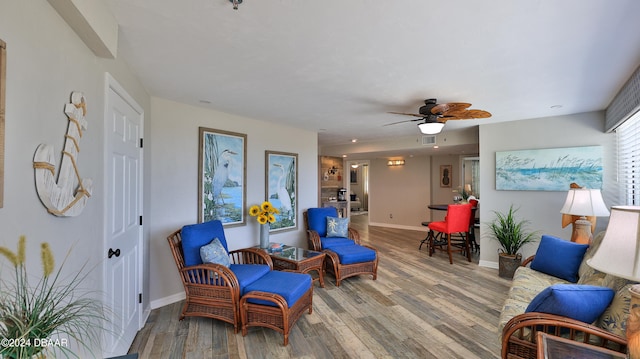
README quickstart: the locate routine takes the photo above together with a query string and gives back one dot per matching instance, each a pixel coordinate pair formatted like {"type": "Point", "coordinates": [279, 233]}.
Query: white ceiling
{"type": "Point", "coordinates": [338, 67]}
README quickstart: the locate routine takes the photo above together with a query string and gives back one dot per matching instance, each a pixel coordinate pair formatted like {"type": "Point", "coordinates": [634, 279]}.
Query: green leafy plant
{"type": "Point", "coordinates": [45, 317]}
{"type": "Point", "coordinates": [511, 233]}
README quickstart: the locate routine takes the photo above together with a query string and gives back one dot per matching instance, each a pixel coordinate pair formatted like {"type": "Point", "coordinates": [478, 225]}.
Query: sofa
{"type": "Point", "coordinates": [555, 302]}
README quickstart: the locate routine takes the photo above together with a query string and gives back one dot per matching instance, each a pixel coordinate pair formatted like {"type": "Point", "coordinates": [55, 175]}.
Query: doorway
{"type": "Point", "coordinates": [123, 234]}
{"type": "Point", "coordinates": [358, 188]}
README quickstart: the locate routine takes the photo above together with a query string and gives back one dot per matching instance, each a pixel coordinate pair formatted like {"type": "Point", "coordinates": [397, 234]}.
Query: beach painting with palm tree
{"type": "Point", "coordinates": [222, 176]}
{"type": "Point", "coordinates": [550, 169]}
{"type": "Point", "coordinates": [282, 187]}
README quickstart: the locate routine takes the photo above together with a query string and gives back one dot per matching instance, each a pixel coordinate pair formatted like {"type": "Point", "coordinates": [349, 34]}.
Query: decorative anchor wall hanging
{"type": "Point", "coordinates": [67, 196]}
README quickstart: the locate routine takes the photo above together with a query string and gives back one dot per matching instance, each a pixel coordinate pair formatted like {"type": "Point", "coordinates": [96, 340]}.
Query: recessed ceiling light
{"type": "Point", "coordinates": [344, 155]}
{"type": "Point", "coordinates": [205, 101]}
{"type": "Point", "coordinates": [556, 106]}
{"type": "Point", "coordinates": [354, 140]}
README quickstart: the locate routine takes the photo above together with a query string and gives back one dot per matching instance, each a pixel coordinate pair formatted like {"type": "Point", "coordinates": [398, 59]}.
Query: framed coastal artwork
{"type": "Point", "coordinates": [281, 188]}
{"type": "Point", "coordinates": [550, 169]}
{"type": "Point", "coordinates": [222, 176]}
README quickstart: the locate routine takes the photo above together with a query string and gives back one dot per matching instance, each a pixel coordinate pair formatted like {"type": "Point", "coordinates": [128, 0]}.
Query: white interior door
{"type": "Point", "coordinates": [123, 229]}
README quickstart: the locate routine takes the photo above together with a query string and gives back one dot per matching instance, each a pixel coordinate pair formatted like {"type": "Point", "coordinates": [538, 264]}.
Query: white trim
{"type": "Point", "coordinates": [488, 264]}
{"type": "Point", "coordinates": [159, 303]}
{"type": "Point", "coordinates": [398, 226]}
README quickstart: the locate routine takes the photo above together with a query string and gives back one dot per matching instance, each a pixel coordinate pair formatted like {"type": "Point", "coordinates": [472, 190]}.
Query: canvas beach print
{"type": "Point", "coordinates": [222, 176]}
{"type": "Point", "coordinates": [282, 188]}
{"type": "Point", "coordinates": [549, 169]}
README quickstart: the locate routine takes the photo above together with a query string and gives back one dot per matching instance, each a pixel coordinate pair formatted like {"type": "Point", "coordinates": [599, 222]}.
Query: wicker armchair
{"type": "Point", "coordinates": [333, 264]}
{"type": "Point", "coordinates": [519, 336]}
{"type": "Point", "coordinates": [213, 290]}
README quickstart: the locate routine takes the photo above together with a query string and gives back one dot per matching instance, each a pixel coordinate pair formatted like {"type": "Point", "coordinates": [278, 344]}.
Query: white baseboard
{"type": "Point", "coordinates": [488, 264]}
{"type": "Point", "coordinates": [398, 226]}
{"type": "Point", "coordinates": [158, 303]}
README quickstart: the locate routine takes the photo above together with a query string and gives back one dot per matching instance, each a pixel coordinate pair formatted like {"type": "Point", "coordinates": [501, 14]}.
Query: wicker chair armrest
{"type": "Point", "coordinates": [528, 261]}
{"type": "Point", "coordinates": [353, 234]}
{"type": "Point", "coordinates": [209, 274]}
{"type": "Point", "coordinates": [313, 240]}
{"type": "Point", "coordinates": [519, 335]}
{"type": "Point", "coordinates": [250, 256]}
{"type": "Point", "coordinates": [276, 299]}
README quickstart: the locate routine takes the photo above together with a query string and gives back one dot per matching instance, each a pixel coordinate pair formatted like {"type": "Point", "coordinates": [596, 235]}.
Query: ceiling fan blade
{"type": "Point", "coordinates": [395, 123]}
{"type": "Point", "coordinates": [469, 115]}
{"type": "Point", "coordinates": [445, 108]}
{"type": "Point", "coordinates": [407, 114]}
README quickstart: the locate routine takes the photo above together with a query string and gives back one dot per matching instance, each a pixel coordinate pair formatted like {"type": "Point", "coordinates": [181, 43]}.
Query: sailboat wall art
{"type": "Point", "coordinates": [550, 169]}
{"type": "Point", "coordinates": [282, 188]}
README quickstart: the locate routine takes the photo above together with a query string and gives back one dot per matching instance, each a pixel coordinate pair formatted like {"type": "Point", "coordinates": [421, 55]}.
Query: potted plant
{"type": "Point", "coordinates": [40, 320]}
{"type": "Point", "coordinates": [512, 234]}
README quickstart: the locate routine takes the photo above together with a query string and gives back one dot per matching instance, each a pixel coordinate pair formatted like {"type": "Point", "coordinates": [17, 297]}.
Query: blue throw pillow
{"type": "Point", "coordinates": [214, 252]}
{"type": "Point", "coordinates": [337, 227]}
{"type": "Point", "coordinates": [577, 301]}
{"type": "Point", "coordinates": [559, 258]}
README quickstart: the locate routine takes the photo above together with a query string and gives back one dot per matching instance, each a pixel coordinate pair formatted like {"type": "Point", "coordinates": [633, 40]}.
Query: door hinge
{"type": "Point", "coordinates": [140, 298]}
{"type": "Point", "coordinates": [141, 143]}
{"type": "Point", "coordinates": [140, 220]}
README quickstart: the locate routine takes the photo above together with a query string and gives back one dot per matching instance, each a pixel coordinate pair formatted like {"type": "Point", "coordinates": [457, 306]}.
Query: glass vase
{"type": "Point", "coordinates": [264, 235]}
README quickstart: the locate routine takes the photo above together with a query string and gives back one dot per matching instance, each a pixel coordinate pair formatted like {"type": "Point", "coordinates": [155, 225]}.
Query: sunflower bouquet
{"type": "Point", "coordinates": [265, 212]}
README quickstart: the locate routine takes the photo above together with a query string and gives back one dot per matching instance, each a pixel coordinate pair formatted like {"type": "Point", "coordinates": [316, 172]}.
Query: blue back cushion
{"type": "Point", "coordinates": [559, 258]}
{"type": "Point", "coordinates": [317, 219]}
{"type": "Point", "coordinates": [195, 236]}
{"type": "Point", "coordinates": [577, 301]}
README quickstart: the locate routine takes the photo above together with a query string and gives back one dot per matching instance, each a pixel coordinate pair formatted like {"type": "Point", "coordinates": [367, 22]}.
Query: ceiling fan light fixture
{"type": "Point", "coordinates": [431, 128]}
{"type": "Point", "coordinates": [235, 3]}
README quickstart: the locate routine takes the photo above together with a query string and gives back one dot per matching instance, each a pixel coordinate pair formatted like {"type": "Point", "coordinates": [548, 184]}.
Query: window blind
{"type": "Point", "coordinates": [628, 136]}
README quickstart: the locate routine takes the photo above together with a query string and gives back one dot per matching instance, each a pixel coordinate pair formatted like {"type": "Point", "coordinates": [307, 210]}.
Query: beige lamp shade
{"type": "Point", "coordinates": [619, 252]}
{"type": "Point", "coordinates": [584, 202]}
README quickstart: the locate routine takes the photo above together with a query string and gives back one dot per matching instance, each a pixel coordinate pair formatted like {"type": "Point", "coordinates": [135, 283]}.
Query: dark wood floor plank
{"type": "Point", "coordinates": [419, 307]}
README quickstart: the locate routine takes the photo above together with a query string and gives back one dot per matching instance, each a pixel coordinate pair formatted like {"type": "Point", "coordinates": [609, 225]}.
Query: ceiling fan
{"type": "Point", "coordinates": [434, 115]}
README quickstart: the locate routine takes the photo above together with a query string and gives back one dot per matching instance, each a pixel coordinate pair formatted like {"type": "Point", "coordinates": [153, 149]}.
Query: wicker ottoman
{"type": "Point", "coordinates": [276, 301]}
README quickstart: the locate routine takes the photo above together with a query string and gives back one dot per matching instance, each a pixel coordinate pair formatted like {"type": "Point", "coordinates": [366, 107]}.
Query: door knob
{"type": "Point", "coordinates": [114, 253]}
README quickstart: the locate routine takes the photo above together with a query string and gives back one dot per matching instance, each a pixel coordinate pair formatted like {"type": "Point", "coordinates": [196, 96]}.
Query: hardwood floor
{"type": "Point", "coordinates": [419, 307]}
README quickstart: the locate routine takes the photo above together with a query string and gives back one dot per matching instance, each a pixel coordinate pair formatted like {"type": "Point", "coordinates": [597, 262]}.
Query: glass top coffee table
{"type": "Point", "coordinates": [299, 260]}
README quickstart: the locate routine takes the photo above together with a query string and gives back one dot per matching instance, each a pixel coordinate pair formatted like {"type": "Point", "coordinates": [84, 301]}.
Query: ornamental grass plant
{"type": "Point", "coordinates": [510, 232]}
{"type": "Point", "coordinates": [47, 318]}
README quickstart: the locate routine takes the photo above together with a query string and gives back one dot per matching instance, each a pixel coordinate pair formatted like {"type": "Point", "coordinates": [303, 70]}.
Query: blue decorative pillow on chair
{"type": "Point", "coordinates": [214, 252]}
{"type": "Point", "coordinates": [577, 301]}
{"type": "Point", "coordinates": [194, 236]}
{"type": "Point", "coordinates": [559, 258]}
{"type": "Point", "coordinates": [337, 227]}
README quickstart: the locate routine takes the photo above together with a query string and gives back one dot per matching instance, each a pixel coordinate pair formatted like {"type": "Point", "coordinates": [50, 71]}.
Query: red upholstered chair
{"type": "Point", "coordinates": [456, 222]}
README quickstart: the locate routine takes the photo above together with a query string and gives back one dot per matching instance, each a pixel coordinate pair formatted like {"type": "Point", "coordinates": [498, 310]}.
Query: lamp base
{"type": "Point", "coordinates": [633, 323]}
{"type": "Point", "coordinates": [581, 231]}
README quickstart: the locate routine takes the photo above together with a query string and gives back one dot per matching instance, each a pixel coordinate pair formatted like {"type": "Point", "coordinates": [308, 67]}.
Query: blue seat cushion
{"type": "Point", "coordinates": [317, 219]}
{"type": "Point", "coordinates": [577, 301]}
{"type": "Point", "coordinates": [354, 254]}
{"type": "Point", "coordinates": [249, 273]}
{"type": "Point", "coordinates": [194, 236]}
{"type": "Point", "coordinates": [291, 286]}
{"type": "Point", "coordinates": [559, 258]}
{"type": "Point", "coordinates": [330, 242]}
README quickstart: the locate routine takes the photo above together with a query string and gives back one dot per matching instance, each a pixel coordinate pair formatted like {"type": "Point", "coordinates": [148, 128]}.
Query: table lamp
{"type": "Point", "coordinates": [587, 204]}
{"type": "Point", "coordinates": [619, 255]}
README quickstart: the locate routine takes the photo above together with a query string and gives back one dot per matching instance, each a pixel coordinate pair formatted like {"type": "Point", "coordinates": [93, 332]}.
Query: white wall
{"type": "Point", "coordinates": [540, 207]}
{"type": "Point", "coordinates": [46, 61]}
{"type": "Point", "coordinates": [398, 196]}
{"type": "Point", "coordinates": [174, 181]}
